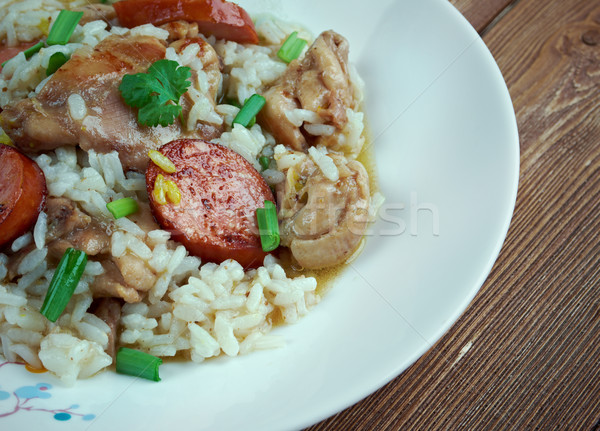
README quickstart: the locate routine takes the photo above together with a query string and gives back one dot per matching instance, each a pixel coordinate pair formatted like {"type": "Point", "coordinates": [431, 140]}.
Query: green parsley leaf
{"type": "Point", "coordinates": [155, 113]}
{"type": "Point", "coordinates": [157, 92]}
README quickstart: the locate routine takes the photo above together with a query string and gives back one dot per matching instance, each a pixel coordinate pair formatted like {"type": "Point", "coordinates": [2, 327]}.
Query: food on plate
{"type": "Point", "coordinates": [175, 177]}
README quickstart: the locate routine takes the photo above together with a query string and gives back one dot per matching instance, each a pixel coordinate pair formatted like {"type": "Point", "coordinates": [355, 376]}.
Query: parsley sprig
{"type": "Point", "coordinates": [157, 92]}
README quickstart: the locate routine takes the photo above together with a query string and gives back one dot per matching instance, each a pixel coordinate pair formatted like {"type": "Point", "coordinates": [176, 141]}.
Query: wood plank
{"type": "Point", "coordinates": [481, 13]}
{"type": "Point", "coordinates": [526, 353]}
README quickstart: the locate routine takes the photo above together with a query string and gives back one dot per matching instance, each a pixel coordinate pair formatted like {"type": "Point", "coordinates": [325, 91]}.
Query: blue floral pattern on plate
{"type": "Point", "coordinates": [23, 399]}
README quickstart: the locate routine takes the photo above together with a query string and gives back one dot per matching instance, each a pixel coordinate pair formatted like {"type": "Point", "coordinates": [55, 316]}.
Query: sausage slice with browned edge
{"type": "Point", "coordinates": [22, 193]}
{"type": "Point", "coordinates": [220, 192]}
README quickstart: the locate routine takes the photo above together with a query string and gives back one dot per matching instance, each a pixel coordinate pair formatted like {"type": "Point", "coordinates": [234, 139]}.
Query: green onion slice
{"type": "Point", "coordinates": [122, 207]}
{"type": "Point", "coordinates": [55, 62]}
{"type": "Point", "coordinates": [63, 27]}
{"type": "Point", "coordinates": [268, 226]}
{"type": "Point", "coordinates": [33, 49]}
{"type": "Point", "coordinates": [264, 162]}
{"type": "Point", "coordinates": [63, 284]}
{"type": "Point", "coordinates": [139, 364]}
{"type": "Point", "coordinates": [251, 107]}
{"type": "Point", "coordinates": [291, 48]}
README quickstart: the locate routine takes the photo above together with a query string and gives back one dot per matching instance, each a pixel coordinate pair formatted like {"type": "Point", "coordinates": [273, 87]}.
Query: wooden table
{"type": "Point", "coordinates": [534, 327]}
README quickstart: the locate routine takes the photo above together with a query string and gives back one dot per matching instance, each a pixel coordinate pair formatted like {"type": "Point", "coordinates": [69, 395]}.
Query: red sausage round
{"type": "Point", "coordinates": [220, 192]}
{"type": "Point", "coordinates": [22, 193]}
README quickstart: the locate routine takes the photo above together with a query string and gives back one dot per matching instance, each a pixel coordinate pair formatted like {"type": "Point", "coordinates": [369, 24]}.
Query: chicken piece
{"type": "Point", "coordinates": [126, 276]}
{"type": "Point", "coordinates": [319, 82]}
{"type": "Point", "coordinates": [181, 30]}
{"type": "Point", "coordinates": [111, 284]}
{"type": "Point", "coordinates": [70, 227]}
{"type": "Point", "coordinates": [106, 123]}
{"type": "Point", "coordinates": [97, 11]}
{"type": "Point", "coordinates": [323, 221]}
{"type": "Point", "coordinates": [109, 310]}
{"type": "Point", "coordinates": [135, 272]}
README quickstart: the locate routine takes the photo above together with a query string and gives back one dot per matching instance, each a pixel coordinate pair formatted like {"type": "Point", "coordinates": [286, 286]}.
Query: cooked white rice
{"type": "Point", "coordinates": [193, 310]}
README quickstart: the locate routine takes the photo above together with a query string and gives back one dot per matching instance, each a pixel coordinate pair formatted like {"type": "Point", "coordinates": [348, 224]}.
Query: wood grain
{"type": "Point", "coordinates": [481, 13]}
{"type": "Point", "coordinates": [526, 353]}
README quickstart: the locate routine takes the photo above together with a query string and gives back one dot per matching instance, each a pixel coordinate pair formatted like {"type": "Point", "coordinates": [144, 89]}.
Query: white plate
{"type": "Point", "coordinates": [448, 157]}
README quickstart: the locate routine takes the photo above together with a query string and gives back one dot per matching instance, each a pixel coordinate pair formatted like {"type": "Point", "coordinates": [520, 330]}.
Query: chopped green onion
{"type": "Point", "coordinates": [139, 364]}
{"type": "Point", "coordinates": [268, 226]}
{"type": "Point", "coordinates": [264, 162]}
{"type": "Point", "coordinates": [63, 284]}
{"type": "Point", "coordinates": [28, 52]}
{"type": "Point", "coordinates": [63, 27]}
{"type": "Point", "coordinates": [291, 48]}
{"type": "Point", "coordinates": [122, 207]}
{"type": "Point", "coordinates": [251, 107]}
{"type": "Point", "coordinates": [55, 62]}
{"type": "Point", "coordinates": [33, 49]}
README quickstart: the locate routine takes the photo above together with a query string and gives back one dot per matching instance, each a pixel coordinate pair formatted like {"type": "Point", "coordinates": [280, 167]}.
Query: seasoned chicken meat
{"type": "Point", "coordinates": [81, 103]}
{"type": "Point", "coordinates": [319, 82]}
{"type": "Point", "coordinates": [322, 220]}
{"type": "Point", "coordinates": [126, 276]}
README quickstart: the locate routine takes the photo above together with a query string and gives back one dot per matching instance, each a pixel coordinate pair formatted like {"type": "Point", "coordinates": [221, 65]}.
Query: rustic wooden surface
{"type": "Point", "coordinates": [534, 328]}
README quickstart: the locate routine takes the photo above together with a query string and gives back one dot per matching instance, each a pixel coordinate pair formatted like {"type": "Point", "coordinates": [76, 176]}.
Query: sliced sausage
{"type": "Point", "coordinates": [22, 193]}
{"type": "Point", "coordinates": [220, 192]}
{"type": "Point", "coordinates": [223, 19]}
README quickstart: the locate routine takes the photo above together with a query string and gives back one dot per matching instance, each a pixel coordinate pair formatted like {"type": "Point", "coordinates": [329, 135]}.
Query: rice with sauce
{"type": "Point", "coordinates": [192, 309]}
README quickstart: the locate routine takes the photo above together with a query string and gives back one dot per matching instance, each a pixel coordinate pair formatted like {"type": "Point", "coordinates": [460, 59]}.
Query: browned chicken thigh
{"type": "Point", "coordinates": [46, 121]}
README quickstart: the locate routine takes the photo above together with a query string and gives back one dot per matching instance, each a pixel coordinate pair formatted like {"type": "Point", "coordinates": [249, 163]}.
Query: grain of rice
{"type": "Point", "coordinates": [248, 321]}
{"type": "Point", "coordinates": [176, 259]}
{"type": "Point", "coordinates": [137, 246]}
{"type": "Point", "coordinates": [10, 299]}
{"type": "Point", "coordinates": [188, 313]}
{"type": "Point", "coordinates": [25, 318]}
{"type": "Point", "coordinates": [128, 226]}
{"type": "Point", "coordinates": [21, 242]}
{"type": "Point", "coordinates": [3, 268]}
{"type": "Point", "coordinates": [325, 163]}
{"type": "Point", "coordinates": [39, 231]}
{"type": "Point", "coordinates": [320, 129]}
{"type": "Point", "coordinates": [68, 156]}
{"type": "Point", "coordinates": [201, 289]}
{"type": "Point", "coordinates": [77, 106]}
{"type": "Point", "coordinates": [224, 335]}
{"type": "Point", "coordinates": [158, 237]}
{"type": "Point", "coordinates": [228, 302]}
{"type": "Point", "coordinates": [32, 260]}
{"type": "Point", "coordinates": [27, 354]}
{"type": "Point", "coordinates": [162, 350]}
{"type": "Point", "coordinates": [202, 342]}
{"type": "Point", "coordinates": [32, 276]}
{"type": "Point", "coordinates": [273, 176]}
{"type": "Point", "coordinates": [288, 298]}
{"type": "Point", "coordinates": [81, 305]}
{"type": "Point", "coordinates": [92, 333]}
{"type": "Point", "coordinates": [137, 321]}
{"type": "Point", "coordinates": [299, 116]}
{"type": "Point", "coordinates": [149, 30]}
{"type": "Point", "coordinates": [20, 335]}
